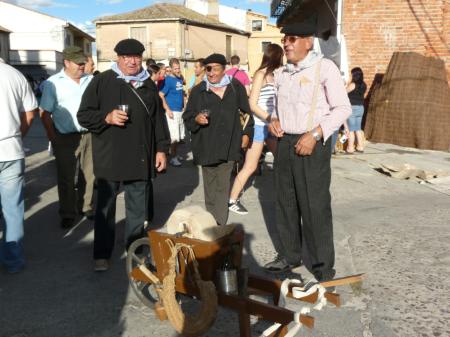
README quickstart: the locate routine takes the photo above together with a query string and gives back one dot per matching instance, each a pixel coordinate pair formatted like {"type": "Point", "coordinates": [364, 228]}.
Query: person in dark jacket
{"type": "Point", "coordinates": [212, 115]}
{"type": "Point", "coordinates": [122, 109]}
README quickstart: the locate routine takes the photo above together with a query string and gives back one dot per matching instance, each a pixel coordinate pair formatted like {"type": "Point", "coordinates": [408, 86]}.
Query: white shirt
{"type": "Point", "coordinates": [62, 97]}
{"type": "Point", "coordinates": [16, 97]}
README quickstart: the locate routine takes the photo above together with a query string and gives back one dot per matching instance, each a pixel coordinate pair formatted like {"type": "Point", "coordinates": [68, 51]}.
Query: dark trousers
{"type": "Point", "coordinates": [216, 184]}
{"type": "Point", "coordinates": [138, 208]}
{"type": "Point", "coordinates": [73, 158]}
{"type": "Point", "coordinates": [303, 205]}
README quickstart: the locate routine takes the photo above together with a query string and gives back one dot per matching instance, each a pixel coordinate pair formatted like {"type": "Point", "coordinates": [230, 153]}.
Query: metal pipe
{"type": "Point", "coordinates": [339, 20]}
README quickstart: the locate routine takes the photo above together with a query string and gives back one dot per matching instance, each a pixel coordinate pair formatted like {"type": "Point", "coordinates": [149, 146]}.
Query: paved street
{"type": "Point", "coordinates": [396, 231]}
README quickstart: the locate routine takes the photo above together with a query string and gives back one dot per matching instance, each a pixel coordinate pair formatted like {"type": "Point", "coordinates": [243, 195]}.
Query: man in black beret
{"type": "Point", "coordinates": [212, 116]}
{"type": "Point", "coordinates": [311, 104]}
{"type": "Point", "coordinates": [129, 47]}
{"type": "Point", "coordinates": [122, 109]}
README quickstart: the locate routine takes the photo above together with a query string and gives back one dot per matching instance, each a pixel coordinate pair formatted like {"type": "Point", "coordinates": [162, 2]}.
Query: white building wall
{"type": "Point", "coordinates": [233, 17]}
{"type": "Point", "coordinates": [51, 61]}
{"type": "Point", "coordinates": [32, 30]}
{"type": "Point", "coordinates": [200, 6]}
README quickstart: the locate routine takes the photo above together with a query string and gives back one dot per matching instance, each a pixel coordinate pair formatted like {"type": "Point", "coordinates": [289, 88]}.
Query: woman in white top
{"type": "Point", "coordinates": [262, 102]}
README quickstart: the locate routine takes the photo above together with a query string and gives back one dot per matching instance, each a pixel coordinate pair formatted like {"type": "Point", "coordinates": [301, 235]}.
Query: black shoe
{"type": "Point", "coordinates": [67, 223]}
{"type": "Point", "coordinates": [280, 265]}
{"type": "Point", "coordinates": [90, 215]}
{"type": "Point", "coordinates": [237, 207]}
{"type": "Point", "coordinates": [331, 289]}
{"type": "Point", "coordinates": [329, 276]}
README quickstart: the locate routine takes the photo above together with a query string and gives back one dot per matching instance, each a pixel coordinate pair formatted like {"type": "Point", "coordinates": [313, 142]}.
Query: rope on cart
{"type": "Point", "coordinates": [198, 323]}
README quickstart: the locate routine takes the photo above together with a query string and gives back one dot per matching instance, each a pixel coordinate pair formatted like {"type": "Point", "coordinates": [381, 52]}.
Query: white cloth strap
{"type": "Point", "coordinates": [297, 292]}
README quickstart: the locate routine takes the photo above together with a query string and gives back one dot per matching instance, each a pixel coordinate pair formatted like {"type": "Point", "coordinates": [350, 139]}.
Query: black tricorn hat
{"type": "Point", "coordinates": [304, 29]}
{"type": "Point", "coordinates": [216, 58]}
{"type": "Point", "coordinates": [129, 47]}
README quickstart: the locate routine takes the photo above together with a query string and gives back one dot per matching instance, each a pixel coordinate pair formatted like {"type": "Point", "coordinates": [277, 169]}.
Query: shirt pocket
{"type": "Point", "coordinates": [306, 90]}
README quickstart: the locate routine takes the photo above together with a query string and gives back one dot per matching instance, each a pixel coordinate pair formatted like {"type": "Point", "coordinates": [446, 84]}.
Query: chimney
{"type": "Point", "coordinates": [213, 9]}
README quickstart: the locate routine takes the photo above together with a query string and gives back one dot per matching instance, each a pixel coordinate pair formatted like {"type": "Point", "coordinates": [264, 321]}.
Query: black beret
{"type": "Point", "coordinates": [304, 29]}
{"type": "Point", "coordinates": [216, 58]}
{"type": "Point", "coordinates": [129, 47]}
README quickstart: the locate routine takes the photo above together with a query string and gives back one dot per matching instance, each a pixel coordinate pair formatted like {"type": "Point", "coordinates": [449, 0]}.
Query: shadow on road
{"type": "Point", "coordinates": [58, 293]}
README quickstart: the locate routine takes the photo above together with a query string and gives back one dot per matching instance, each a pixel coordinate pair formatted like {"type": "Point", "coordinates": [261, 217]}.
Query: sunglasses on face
{"type": "Point", "coordinates": [291, 39]}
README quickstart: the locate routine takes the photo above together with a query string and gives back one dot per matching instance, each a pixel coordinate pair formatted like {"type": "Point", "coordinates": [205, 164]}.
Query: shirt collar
{"type": "Point", "coordinates": [83, 78]}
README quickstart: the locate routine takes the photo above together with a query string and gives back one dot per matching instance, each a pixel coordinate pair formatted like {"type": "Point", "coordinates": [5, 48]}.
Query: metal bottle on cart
{"type": "Point", "coordinates": [227, 276]}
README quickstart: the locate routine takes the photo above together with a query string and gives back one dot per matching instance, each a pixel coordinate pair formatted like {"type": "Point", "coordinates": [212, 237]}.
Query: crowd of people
{"type": "Point", "coordinates": [117, 129]}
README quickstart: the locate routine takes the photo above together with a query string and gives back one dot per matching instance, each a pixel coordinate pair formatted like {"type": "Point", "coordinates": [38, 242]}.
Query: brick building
{"type": "Point", "coordinates": [375, 29]}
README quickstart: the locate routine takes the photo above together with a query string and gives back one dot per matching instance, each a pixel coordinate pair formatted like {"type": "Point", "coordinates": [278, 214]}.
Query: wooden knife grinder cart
{"type": "Point", "coordinates": [163, 269]}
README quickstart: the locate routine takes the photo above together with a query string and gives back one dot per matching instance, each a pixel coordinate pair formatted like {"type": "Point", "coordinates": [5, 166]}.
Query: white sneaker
{"type": "Point", "coordinates": [101, 265]}
{"type": "Point", "coordinates": [175, 162]}
{"type": "Point", "coordinates": [237, 207]}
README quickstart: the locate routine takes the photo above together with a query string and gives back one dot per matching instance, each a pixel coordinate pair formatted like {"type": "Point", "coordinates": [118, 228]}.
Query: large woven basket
{"type": "Point", "coordinates": [411, 107]}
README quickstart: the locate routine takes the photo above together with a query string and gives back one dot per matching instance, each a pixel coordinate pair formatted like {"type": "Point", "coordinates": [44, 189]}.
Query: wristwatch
{"type": "Point", "coordinates": [316, 135]}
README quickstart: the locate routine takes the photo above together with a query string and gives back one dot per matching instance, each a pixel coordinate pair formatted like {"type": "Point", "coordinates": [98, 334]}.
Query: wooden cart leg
{"type": "Point", "coordinates": [244, 324]}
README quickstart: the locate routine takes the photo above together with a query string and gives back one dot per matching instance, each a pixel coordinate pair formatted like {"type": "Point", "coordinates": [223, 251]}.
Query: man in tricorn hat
{"type": "Point", "coordinates": [311, 104]}
{"type": "Point", "coordinates": [122, 109]}
{"type": "Point", "coordinates": [212, 116]}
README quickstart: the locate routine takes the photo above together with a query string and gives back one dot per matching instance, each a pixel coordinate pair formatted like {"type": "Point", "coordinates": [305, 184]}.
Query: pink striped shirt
{"type": "Point", "coordinates": [295, 94]}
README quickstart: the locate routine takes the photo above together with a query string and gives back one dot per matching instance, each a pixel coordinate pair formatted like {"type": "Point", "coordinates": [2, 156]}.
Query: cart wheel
{"type": "Point", "coordinates": [140, 253]}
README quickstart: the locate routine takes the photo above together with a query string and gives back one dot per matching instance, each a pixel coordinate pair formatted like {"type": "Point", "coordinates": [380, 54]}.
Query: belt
{"type": "Point", "coordinates": [294, 134]}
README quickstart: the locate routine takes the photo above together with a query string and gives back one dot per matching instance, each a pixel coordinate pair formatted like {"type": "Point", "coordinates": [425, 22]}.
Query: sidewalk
{"type": "Point", "coordinates": [396, 231]}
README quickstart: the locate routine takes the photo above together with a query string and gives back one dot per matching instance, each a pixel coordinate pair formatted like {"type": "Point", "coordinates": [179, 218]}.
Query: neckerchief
{"type": "Point", "coordinates": [312, 58]}
{"type": "Point", "coordinates": [136, 80]}
{"type": "Point", "coordinates": [226, 79]}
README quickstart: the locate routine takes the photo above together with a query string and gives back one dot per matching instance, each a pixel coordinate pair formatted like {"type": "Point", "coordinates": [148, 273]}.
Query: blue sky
{"type": "Point", "coordinates": [82, 12]}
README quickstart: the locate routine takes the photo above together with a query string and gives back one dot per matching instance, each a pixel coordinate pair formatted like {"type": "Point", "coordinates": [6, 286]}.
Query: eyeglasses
{"type": "Point", "coordinates": [211, 68]}
{"type": "Point", "coordinates": [130, 57]}
{"type": "Point", "coordinates": [291, 39]}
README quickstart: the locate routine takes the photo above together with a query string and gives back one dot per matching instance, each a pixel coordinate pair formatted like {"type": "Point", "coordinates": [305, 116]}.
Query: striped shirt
{"type": "Point", "coordinates": [266, 101]}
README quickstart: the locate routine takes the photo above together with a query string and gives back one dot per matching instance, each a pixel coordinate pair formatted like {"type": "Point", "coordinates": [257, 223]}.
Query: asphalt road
{"type": "Point", "coordinates": [395, 231]}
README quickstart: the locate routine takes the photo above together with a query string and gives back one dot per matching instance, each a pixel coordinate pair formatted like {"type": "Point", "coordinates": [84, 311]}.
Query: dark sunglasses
{"type": "Point", "coordinates": [291, 39]}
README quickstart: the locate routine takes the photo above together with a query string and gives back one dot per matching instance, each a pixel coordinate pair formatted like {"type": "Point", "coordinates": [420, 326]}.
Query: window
{"type": "Point", "coordinates": [228, 47]}
{"type": "Point", "coordinates": [68, 40]}
{"type": "Point", "coordinates": [264, 45]}
{"type": "Point", "coordinates": [171, 52]}
{"type": "Point", "coordinates": [140, 34]}
{"type": "Point", "coordinates": [256, 25]}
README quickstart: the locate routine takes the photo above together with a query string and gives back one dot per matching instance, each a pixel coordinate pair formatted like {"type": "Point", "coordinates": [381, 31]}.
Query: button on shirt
{"type": "Point", "coordinates": [295, 95]}
{"type": "Point", "coordinates": [61, 97]}
{"type": "Point", "coordinates": [16, 97]}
